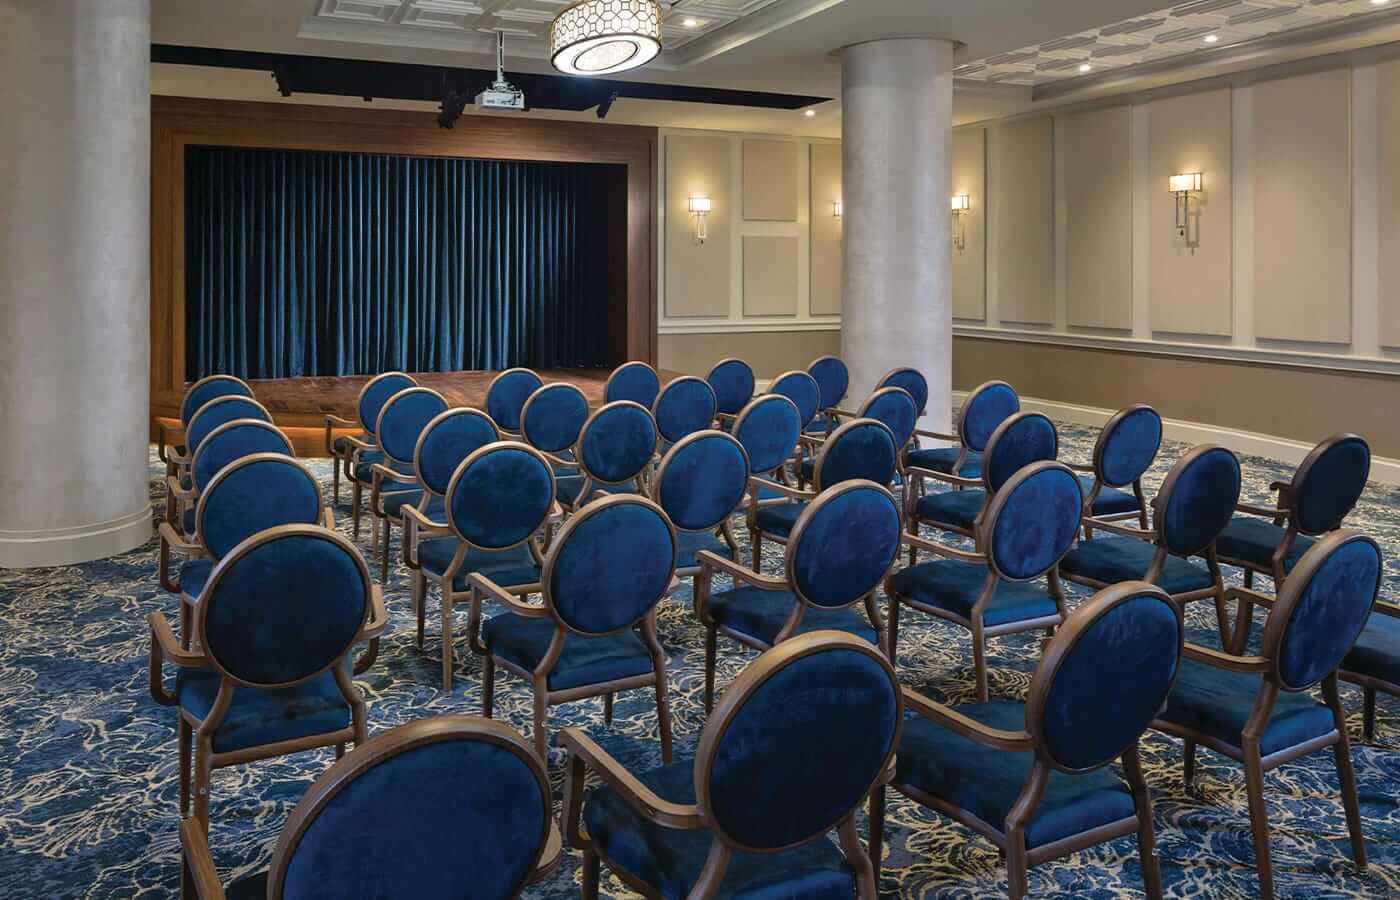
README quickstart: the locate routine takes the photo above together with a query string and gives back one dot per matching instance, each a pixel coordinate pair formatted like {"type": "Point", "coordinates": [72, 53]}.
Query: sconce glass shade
{"type": "Point", "coordinates": [836, 208]}
{"type": "Point", "coordinates": [962, 203]}
{"type": "Point", "coordinates": [600, 37]}
{"type": "Point", "coordinates": [699, 204]}
{"type": "Point", "coordinates": [1181, 184]}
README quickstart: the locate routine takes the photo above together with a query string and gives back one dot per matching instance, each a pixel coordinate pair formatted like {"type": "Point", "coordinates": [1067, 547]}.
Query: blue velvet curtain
{"type": "Point", "coordinates": [313, 263]}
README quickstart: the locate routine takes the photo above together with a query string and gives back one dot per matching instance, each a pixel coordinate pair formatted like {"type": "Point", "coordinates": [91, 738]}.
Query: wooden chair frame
{"type": "Point", "coordinates": [722, 417]}
{"type": "Point", "coordinates": [345, 460]}
{"type": "Point", "coordinates": [507, 433]}
{"type": "Point", "coordinates": [628, 365]}
{"type": "Point", "coordinates": [381, 472]}
{"type": "Point", "coordinates": [725, 529]}
{"type": "Point", "coordinates": [167, 436]}
{"type": "Point", "coordinates": [827, 410]}
{"type": "Point", "coordinates": [593, 486]}
{"type": "Point", "coordinates": [757, 480]}
{"type": "Point", "coordinates": [177, 497]}
{"type": "Point", "coordinates": [1095, 468]}
{"type": "Point", "coordinates": [812, 442]}
{"type": "Point", "coordinates": [916, 483]}
{"type": "Point", "coordinates": [1370, 685]}
{"type": "Point", "coordinates": [585, 755]}
{"type": "Point", "coordinates": [662, 439]}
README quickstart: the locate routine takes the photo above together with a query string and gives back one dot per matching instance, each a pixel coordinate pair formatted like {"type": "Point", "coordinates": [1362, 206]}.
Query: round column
{"type": "Point", "coordinates": [75, 135]}
{"type": "Point", "coordinates": [897, 115]}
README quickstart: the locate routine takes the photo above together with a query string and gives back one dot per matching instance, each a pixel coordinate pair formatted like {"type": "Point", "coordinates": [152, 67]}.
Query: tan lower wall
{"type": "Point", "coordinates": [771, 353]}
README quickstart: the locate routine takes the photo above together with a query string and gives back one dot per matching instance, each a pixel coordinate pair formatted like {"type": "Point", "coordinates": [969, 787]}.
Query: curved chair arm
{"type": "Point", "coordinates": [359, 445]}
{"type": "Point", "coordinates": [1387, 609]}
{"type": "Point", "coordinates": [378, 614]}
{"type": "Point", "coordinates": [1146, 534]}
{"type": "Point", "coordinates": [1087, 468]}
{"type": "Point", "coordinates": [585, 754]}
{"type": "Point", "coordinates": [722, 417]}
{"type": "Point", "coordinates": [493, 590]}
{"type": "Point", "coordinates": [165, 647]}
{"type": "Point", "coordinates": [916, 472]}
{"type": "Point", "coordinates": [166, 438]}
{"type": "Point", "coordinates": [558, 460]}
{"type": "Point", "coordinates": [1250, 595]}
{"type": "Point", "coordinates": [1268, 512]}
{"type": "Point", "coordinates": [171, 541]}
{"type": "Point", "coordinates": [199, 862]}
{"type": "Point", "coordinates": [922, 432]}
{"type": "Point", "coordinates": [414, 520]}
{"type": "Point", "coordinates": [172, 484]}
{"type": "Point", "coordinates": [383, 473]}
{"type": "Point", "coordinates": [710, 562]}
{"type": "Point", "coordinates": [178, 460]}
{"type": "Point", "coordinates": [333, 422]}
{"type": "Point", "coordinates": [756, 484]}
{"type": "Point", "coordinates": [919, 543]}
{"type": "Point", "coordinates": [950, 718]}
{"type": "Point", "coordinates": [1220, 660]}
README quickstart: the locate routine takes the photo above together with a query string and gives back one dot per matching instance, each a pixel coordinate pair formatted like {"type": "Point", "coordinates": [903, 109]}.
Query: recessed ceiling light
{"type": "Point", "coordinates": [690, 23]}
{"type": "Point", "coordinates": [810, 113]}
{"type": "Point", "coordinates": [1212, 38]}
{"type": "Point", "coordinates": [1379, 2]}
{"type": "Point", "coordinates": [1085, 67]}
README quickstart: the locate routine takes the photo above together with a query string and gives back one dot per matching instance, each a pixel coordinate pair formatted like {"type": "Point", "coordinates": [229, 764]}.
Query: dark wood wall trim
{"type": "Point", "coordinates": [177, 122]}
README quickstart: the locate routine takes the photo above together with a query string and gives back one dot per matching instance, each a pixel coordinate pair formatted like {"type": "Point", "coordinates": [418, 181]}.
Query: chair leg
{"type": "Point", "coordinates": [1346, 775]}
{"type": "Point", "coordinates": [384, 552]}
{"type": "Point", "coordinates": [418, 590]}
{"type": "Point", "coordinates": [1249, 578]}
{"type": "Point", "coordinates": [1368, 714]}
{"type": "Point", "coordinates": [756, 543]}
{"type": "Point", "coordinates": [446, 604]}
{"type": "Point", "coordinates": [1188, 765]}
{"type": "Point", "coordinates": [1146, 839]}
{"type": "Point", "coordinates": [711, 639]}
{"type": "Point", "coordinates": [335, 480]}
{"type": "Point", "coordinates": [488, 686]}
{"type": "Point", "coordinates": [876, 844]}
{"type": "Point", "coordinates": [203, 774]}
{"type": "Point", "coordinates": [607, 709]}
{"type": "Point", "coordinates": [340, 750]}
{"type": "Point", "coordinates": [590, 875]}
{"type": "Point", "coordinates": [1017, 876]}
{"type": "Point", "coordinates": [1259, 820]}
{"type": "Point", "coordinates": [979, 661]}
{"type": "Point", "coordinates": [663, 716]}
{"type": "Point", "coordinates": [355, 501]}
{"type": "Point", "coordinates": [892, 631]}
{"type": "Point", "coordinates": [185, 735]}
{"type": "Point", "coordinates": [541, 714]}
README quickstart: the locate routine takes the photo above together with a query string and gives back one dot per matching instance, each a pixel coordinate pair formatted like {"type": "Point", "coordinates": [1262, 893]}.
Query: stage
{"type": "Point", "coordinates": [299, 406]}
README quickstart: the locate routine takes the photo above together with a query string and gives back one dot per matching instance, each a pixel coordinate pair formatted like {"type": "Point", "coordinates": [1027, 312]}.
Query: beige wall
{"type": "Point", "coordinates": [697, 275]}
{"type": "Point", "coordinates": [1389, 196]}
{"type": "Point", "coordinates": [970, 262]}
{"type": "Point", "coordinates": [1022, 206]}
{"type": "Point", "coordinates": [770, 353]}
{"type": "Point", "coordinates": [1099, 218]}
{"type": "Point", "coordinates": [825, 190]}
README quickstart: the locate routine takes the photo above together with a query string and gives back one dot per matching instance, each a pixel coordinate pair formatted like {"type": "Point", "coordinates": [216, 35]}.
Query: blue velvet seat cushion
{"type": "Point", "coordinates": [187, 522]}
{"type": "Point", "coordinates": [1112, 559]}
{"type": "Point", "coordinates": [761, 614]}
{"type": "Point", "coordinates": [1254, 539]}
{"type": "Point", "coordinates": [941, 459]}
{"type": "Point", "coordinates": [1218, 702]}
{"type": "Point", "coordinates": [1377, 651]}
{"type": "Point", "coordinates": [1110, 501]}
{"type": "Point", "coordinates": [671, 859]}
{"type": "Point", "coordinates": [258, 717]}
{"type": "Point", "coordinates": [508, 568]}
{"type": "Point", "coordinates": [987, 782]}
{"type": "Point", "coordinates": [956, 508]}
{"type": "Point", "coordinates": [689, 543]}
{"type": "Point", "coordinates": [394, 504]}
{"type": "Point", "coordinates": [585, 659]}
{"type": "Point", "coordinates": [194, 573]}
{"type": "Point", "coordinates": [954, 585]}
{"type": "Point", "coordinates": [780, 518]}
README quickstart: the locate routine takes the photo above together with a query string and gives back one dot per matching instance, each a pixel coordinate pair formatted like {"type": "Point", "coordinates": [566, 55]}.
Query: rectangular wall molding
{"type": "Point", "coordinates": [1099, 224]}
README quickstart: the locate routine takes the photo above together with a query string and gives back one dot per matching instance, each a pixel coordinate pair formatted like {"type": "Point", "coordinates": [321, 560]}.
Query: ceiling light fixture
{"type": "Point", "coordinates": [1211, 38]}
{"type": "Point", "coordinates": [601, 37]}
{"type": "Point", "coordinates": [1085, 67]}
{"type": "Point", "coordinates": [1379, 2]}
{"type": "Point", "coordinates": [690, 23]}
{"type": "Point", "coordinates": [810, 113]}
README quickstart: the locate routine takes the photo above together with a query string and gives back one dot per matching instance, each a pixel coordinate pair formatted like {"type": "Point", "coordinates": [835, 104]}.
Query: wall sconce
{"type": "Point", "coordinates": [836, 208]}
{"type": "Point", "coordinates": [699, 209]}
{"type": "Point", "coordinates": [961, 204]}
{"type": "Point", "coordinates": [1183, 186]}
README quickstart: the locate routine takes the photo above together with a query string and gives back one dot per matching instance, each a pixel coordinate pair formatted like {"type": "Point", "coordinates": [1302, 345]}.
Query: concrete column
{"type": "Point", "coordinates": [897, 109]}
{"type": "Point", "coordinates": [75, 151]}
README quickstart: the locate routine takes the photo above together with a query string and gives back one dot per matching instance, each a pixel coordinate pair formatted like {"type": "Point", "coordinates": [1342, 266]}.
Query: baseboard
{"type": "Point", "coordinates": [70, 546]}
{"type": "Point", "coordinates": [1383, 469]}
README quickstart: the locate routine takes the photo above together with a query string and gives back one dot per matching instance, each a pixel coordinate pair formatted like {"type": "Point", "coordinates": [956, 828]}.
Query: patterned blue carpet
{"type": "Point", "coordinates": [88, 786]}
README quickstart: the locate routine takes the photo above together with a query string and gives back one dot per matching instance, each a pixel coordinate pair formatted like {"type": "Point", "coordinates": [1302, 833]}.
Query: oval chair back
{"type": "Point", "coordinates": [897, 409]}
{"type": "Point", "coordinates": [768, 428]}
{"type": "Point", "coordinates": [1032, 521]}
{"type": "Point", "coordinates": [1328, 482]}
{"type": "Point", "coordinates": [617, 444]}
{"type": "Point", "coordinates": [403, 419]}
{"type": "Point", "coordinates": [802, 390]}
{"type": "Point", "coordinates": [796, 744]}
{"type": "Point", "coordinates": [733, 382]}
{"type": "Point", "coordinates": [233, 441]}
{"type": "Point", "coordinates": [1127, 446]}
{"type": "Point", "coordinates": [219, 411]}
{"type": "Point", "coordinates": [284, 606]}
{"type": "Point", "coordinates": [1197, 500]}
{"type": "Point", "coordinates": [376, 393]}
{"type": "Point", "coordinates": [843, 544]}
{"type": "Point", "coordinates": [686, 405]}
{"type": "Point", "coordinates": [635, 381]}
{"type": "Point", "coordinates": [506, 396]}
{"type": "Point", "coordinates": [1020, 440]}
{"type": "Point", "coordinates": [1104, 676]}
{"type": "Point", "coordinates": [489, 831]}
{"type": "Point", "coordinates": [253, 494]}
{"type": "Point", "coordinates": [911, 380]}
{"type": "Point", "coordinates": [447, 440]}
{"type": "Point", "coordinates": [1322, 609]}
{"type": "Point", "coordinates": [500, 496]}
{"type": "Point", "coordinates": [208, 388]}
{"type": "Point", "coordinates": [833, 380]}
{"type": "Point", "coordinates": [553, 417]}
{"type": "Point", "coordinates": [983, 410]}
{"type": "Point", "coordinates": [860, 449]}
{"type": "Point", "coordinates": [610, 565]}
{"type": "Point", "coordinates": [702, 480]}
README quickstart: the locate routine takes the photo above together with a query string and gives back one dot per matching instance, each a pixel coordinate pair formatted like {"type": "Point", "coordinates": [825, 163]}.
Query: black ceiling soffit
{"type": "Point", "coordinates": [453, 88]}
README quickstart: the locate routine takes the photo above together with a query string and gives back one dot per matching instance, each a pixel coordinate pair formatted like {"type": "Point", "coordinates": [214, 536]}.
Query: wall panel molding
{"type": "Point", "coordinates": [1388, 86]}
{"type": "Point", "coordinates": [1099, 203]}
{"type": "Point", "coordinates": [970, 262]}
{"type": "Point", "coordinates": [697, 166]}
{"type": "Point", "coordinates": [770, 276]}
{"type": "Point", "coordinates": [770, 181]}
{"type": "Point", "coordinates": [826, 260]}
{"type": "Point", "coordinates": [1022, 211]}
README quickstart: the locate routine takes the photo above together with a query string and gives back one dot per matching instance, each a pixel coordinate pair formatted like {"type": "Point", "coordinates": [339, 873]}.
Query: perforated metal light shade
{"type": "Point", "coordinates": [601, 37]}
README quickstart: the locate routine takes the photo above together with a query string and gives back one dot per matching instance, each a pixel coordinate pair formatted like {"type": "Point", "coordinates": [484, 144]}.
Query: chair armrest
{"type": "Point", "coordinates": [916, 472]}
{"type": "Point", "coordinates": [420, 520]}
{"type": "Point", "coordinates": [1221, 660]}
{"type": "Point", "coordinates": [178, 459]}
{"type": "Point", "coordinates": [1268, 512]}
{"type": "Point", "coordinates": [164, 647]}
{"type": "Point", "coordinates": [913, 540]}
{"type": "Point", "coordinates": [1147, 534]}
{"type": "Point", "coordinates": [378, 614]}
{"type": "Point", "coordinates": [1253, 596]}
{"type": "Point", "coordinates": [496, 592]}
{"type": "Point", "coordinates": [338, 422]}
{"type": "Point", "coordinates": [383, 473]}
{"type": "Point", "coordinates": [757, 484]}
{"type": "Point", "coordinates": [713, 562]}
{"type": "Point", "coordinates": [1087, 468]}
{"type": "Point", "coordinates": [167, 438]}
{"type": "Point", "coordinates": [1387, 609]}
{"type": "Point", "coordinates": [328, 518]}
{"type": "Point", "coordinates": [194, 846]}
{"type": "Point", "coordinates": [725, 417]}
{"type": "Point", "coordinates": [922, 432]}
{"type": "Point", "coordinates": [838, 413]}
{"type": "Point", "coordinates": [358, 444]}
{"type": "Point", "coordinates": [948, 717]}
{"type": "Point", "coordinates": [176, 542]}
{"type": "Point", "coordinates": [172, 484]}
{"type": "Point", "coordinates": [560, 461]}
{"type": "Point", "coordinates": [641, 798]}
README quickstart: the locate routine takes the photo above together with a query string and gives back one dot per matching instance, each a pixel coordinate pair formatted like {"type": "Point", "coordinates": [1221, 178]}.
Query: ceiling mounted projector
{"type": "Point", "coordinates": [501, 94]}
{"type": "Point", "coordinates": [603, 37]}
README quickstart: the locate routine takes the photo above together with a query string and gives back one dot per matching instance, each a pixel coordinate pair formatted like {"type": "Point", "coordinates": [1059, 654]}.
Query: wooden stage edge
{"type": "Point", "coordinates": [299, 406]}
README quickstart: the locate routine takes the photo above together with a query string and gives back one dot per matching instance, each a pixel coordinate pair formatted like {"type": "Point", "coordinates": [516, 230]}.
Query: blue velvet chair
{"type": "Point", "coordinates": [551, 422]}
{"type": "Point", "coordinates": [700, 484]}
{"type": "Point", "coordinates": [983, 410]}
{"type": "Point", "coordinates": [1374, 662]}
{"type": "Point", "coordinates": [860, 449]}
{"type": "Point", "coordinates": [218, 411]}
{"type": "Point", "coordinates": [275, 627]}
{"type": "Point", "coordinates": [841, 548]}
{"type": "Point", "coordinates": [1125, 449]}
{"type": "Point", "coordinates": [733, 384]}
{"type": "Point", "coordinates": [460, 805]}
{"type": "Point", "coordinates": [1028, 526]}
{"type": "Point", "coordinates": [615, 451]}
{"type": "Point", "coordinates": [373, 395]}
{"type": "Point", "coordinates": [595, 633]}
{"type": "Point", "coordinates": [1032, 777]}
{"type": "Point", "coordinates": [802, 389]}
{"type": "Point", "coordinates": [686, 405]}
{"type": "Point", "coordinates": [1020, 440]}
{"type": "Point", "coordinates": [894, 407]}
{"type": "Point", "coordinates": [769, 429]}
{"type": "Point", "coordinates": [797, 744]}
{"type": "Point", "coordinates": [389, 471]}
{"type": "Point", "coordinates": [506, 396]}
{"type": "Point", "coordinates": [911, 380]}
{"type": "Point", "coordinates": [499, 502]}
{"type": "Point", "coordinates": [227, 443]}
{"type": "Point", "coordinates": [635, 381]}
{"type": "Point", "coordinates": [1197, 498]}
{"type": "Point", "coordinates": [834, 379]}
{"type": "Point", "coordinates": [1257, 710]}
{"type": "Point", "coordinates": [198, 394]}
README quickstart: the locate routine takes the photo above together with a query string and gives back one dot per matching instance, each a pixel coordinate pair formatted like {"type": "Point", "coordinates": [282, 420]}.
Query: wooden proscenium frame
{"type": "Point", "coordinates": [177, 122]}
